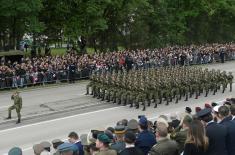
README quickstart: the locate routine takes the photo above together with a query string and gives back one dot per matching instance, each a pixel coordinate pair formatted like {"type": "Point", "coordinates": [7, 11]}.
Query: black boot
{"type": "Point", "coordinates": [9, 117]}
{"type": "Point", "coordinates": [186, 99]}
{"type": "Point", "coordinates": [144, 108]}
{"type": "Point", "coordinates": [155, 106]}
{"type": "Point", "coordinates": [176, 101]}
{"type": "Point", "coordinates": [18, 121]}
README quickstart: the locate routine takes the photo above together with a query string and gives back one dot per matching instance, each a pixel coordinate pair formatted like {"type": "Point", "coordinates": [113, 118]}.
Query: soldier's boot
{"type": "Point", "coordinates": [223, 90]}
{"type": "Point", "coordinates": [155, 106]}
{"type": "Point", "coordinates": [170, 99]}
{"type": "Point", "coordinates": [114, 100]}
{"type": "Point", "coordinates": [124, 102]}
{"type": "Point", "coordinates": [167, 102]}
{"type": "Point", "coordinates": [119, 102]}
{"type": "Point", "coordinates": [206, 93]}
{"type": "Point", "coordinates": [9, 117]}
{"type": "Point", "coordinates": [137, 106]}
{"type": "Point", "coordinates": [18, 121]}
{"type": "Point", "coordinates": [214, 92]}
{"type": "Point", "coordinates": [102, 97]}
{"type": "Point", "coordinates": [149, 102]}
{"type": "Point", "coordinates": [177, 100]}
{"type": "Point", "coordinates": [160, 101]}
{"type": "Point", "coordinates": [144, 108]}
{"type": "Point", "coordinates": [131, 105]}
{"type": "Point", "coordinates": [180, 97]}
{"type": "Point", "coordinates": [186, 99]}
{"type": "Point", "coordinates": [196, 97]}
{"type": "Point", "coordinates": [108, 98]}
{"type": "Point", "coordinates": [231, 88]}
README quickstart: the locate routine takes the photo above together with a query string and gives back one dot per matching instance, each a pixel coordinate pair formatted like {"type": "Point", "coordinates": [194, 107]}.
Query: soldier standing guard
{"type": "Point", "coordinates": [17, 105]}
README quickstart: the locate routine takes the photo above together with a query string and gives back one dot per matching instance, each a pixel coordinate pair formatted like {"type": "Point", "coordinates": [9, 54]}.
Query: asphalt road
{"type": "Point", "coordinates": [50, 113]}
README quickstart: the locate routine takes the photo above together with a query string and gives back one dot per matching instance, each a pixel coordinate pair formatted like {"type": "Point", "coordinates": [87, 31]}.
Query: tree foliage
{"type": "Point", "coordinates": [108, 24]}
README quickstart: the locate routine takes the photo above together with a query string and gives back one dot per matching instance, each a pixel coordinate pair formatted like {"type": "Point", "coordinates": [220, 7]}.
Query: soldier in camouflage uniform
{"type": "Point", "coordinates": [17, 106]}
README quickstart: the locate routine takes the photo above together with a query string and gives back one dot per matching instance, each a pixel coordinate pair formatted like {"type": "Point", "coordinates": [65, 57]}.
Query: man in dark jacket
{"type": "Point", "coordinates": [145, 139]}
{"type": "Point", "coordinates": [74, 139]}
{"type": "Point", "coordinates": [130, 149]}
{"type": "Point", "coordinates": [226, 121]}
{"type": "Point", "coordinates": [216, 133]}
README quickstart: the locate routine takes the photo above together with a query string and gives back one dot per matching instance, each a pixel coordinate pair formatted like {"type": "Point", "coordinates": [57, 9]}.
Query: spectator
{"type": "Point", "coordinates": [119, 144]}
{"type": "Point", "coordinates": [145, 139]}
{"type": "Point", "coordinates": [196, 142]}
{"type": "Point", "coordinates": [47, 147]}
{"type": "Point", "coordinates": [102, 143]}
{"type": "Point", "coordinates": [15, 151]}
{"type": "Point", "coordinates": [216, 133]}
{"type": "Point", "coordinates": [164, 146]}
{"type": "Point", "coordinates": [232, 109]}
{"type": "Point", "coordinates": [93, 149]}
{"type": "Point", "coordinates": [132, 126]}
{"type": "Point", "coordinates": [67, 149]}
{"type": "Point", "coordinates": [74, 139]}
{"type": "Point", "coordinates": [226, 121]}
{"type": "Point", "coordinates": [38, 148]}
{"type": "Point", "coordinates": [174, 121]}
{"type": "Point", "coordinates": [180, 133]}
{"type": "Point", "coordinates": [130, 148]}
{"type": "Point", "coordinates": [55, 144]}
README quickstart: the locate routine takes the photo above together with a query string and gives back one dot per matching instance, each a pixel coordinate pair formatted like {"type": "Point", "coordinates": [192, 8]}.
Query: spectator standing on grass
{"type": "Point", "coordinates": [216, 133]}
{"type": "Point", "coordinates": [197, 141]}
{"type": "Point", "coordinates": [145, 139]}
{"type": "Point", "coordinates": [74, 139]}
{"type": "Point", "coordinates": [164, 146]}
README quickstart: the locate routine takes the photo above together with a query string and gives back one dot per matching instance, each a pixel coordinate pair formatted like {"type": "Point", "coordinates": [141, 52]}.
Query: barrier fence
{"type": "Point", "coordinates": [50, 77]}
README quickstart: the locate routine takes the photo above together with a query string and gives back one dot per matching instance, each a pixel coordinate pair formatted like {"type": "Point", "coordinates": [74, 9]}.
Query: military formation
{"type": "Point", "coordinates": [147, 86]}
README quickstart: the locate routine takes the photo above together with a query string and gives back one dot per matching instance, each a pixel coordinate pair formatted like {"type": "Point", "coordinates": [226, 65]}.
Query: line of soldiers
{"type": "Point", "coordinates": [141, 87]}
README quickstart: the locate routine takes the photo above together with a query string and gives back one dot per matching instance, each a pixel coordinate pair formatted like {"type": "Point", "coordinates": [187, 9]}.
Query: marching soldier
{"type": "Point", "coordinates": [17, 106]}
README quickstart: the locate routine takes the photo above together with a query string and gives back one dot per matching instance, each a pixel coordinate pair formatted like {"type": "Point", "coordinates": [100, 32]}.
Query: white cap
{"type": "Point", "coordinates": [216, 108]}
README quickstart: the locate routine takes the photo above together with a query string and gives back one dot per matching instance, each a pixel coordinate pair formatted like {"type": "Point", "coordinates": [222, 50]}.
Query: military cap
{"type": "Point", "coordinates": [15, 151]}
{"type": "Point", "coordinates": [204, 112]}
{"type": "Point", "coordinates": [132, 124]}
{"type": "Point", "coordinates": [111, 129]}
{"type": "Point", "coordinates": [188, 109]}
{"type": "Point", "coordinates": [38, 148]}
{"type": "Point", "coordinates": [187, 119]}
{"type": "Point", "coordinates": [66, 147]}
{"type": "Point", "coordinates": [45, 144]}
{"type": "Point", "coordinates": [143, 121]}
{"type": "Point", "coordinates": [103, 138]}
{"type": "Point", "coordinates": [216, 108]}
{"type": "Point", "coordinates": [109, 134]}
{"type": "Point", "coordinates": [56, 141]}
{"type": "Point", "coordinates": [119, 129]}
{"type": "Point", "coordinates": [213, 104]}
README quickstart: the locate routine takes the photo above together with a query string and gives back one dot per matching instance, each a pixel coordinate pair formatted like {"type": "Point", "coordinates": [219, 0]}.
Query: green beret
{"type": "Point", "coordinates": [103, 138]}
{"type": "Point", "coordinates": [15, 151]}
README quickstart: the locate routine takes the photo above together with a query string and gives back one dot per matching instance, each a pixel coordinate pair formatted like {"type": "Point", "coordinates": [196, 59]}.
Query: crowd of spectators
{"type": "Point", "coordinates": [51, 69]}
{"type": "Point", "coordinates": [208, 131]}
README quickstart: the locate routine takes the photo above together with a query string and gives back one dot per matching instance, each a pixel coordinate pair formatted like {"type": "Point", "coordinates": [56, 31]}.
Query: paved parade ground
{"type": "Point", "coordinates": [53, 112]}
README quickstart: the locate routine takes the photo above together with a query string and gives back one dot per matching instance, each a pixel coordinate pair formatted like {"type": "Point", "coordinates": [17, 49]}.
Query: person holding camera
{"type": "Point", "coordinates": [17, 105]}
